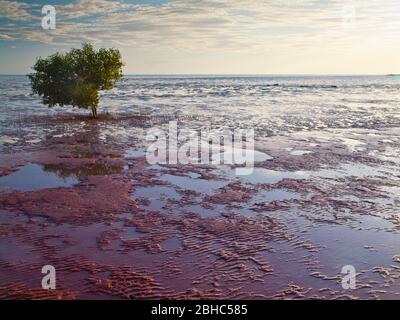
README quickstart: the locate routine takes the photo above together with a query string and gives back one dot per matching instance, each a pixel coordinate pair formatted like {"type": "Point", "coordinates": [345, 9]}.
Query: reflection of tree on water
{"type": "Point", "coordinates": [89, 145]}
{"type": "Point", "coordinates": [94, 169]}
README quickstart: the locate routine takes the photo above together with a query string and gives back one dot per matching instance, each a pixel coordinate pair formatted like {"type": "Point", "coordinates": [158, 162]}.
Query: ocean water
{"type": "Point", "coordinates": [269, 104]}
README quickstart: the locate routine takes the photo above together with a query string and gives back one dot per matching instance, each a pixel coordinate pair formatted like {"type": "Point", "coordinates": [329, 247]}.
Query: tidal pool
{"type": "Point", "coordinates": [132, 153]}
{"type": "Point", "coordinates": [199, 185]}
{"type": "Point", "coordinates": [300, 152]}
{"type": "Point", "coordinates": [157, 195]}
{"type": "Point", "coordinates": [274, 195]}
{"type": "Point", "coordinates": [239, 156]}
{"type": "Point", "coordinates": [32, 177]}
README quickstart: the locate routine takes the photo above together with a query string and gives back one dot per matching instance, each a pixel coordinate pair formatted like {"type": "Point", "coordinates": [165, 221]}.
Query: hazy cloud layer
{"type": "Point", "coordinates": [14, 10]}
{"type": "Point", "coordinates": [210, 24]}
{"type": "Point", "coordinates": [224, 35]}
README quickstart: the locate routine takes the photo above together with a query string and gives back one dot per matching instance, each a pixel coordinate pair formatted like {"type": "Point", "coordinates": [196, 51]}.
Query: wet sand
{"type": "Point", "coordinates": [81, 197]}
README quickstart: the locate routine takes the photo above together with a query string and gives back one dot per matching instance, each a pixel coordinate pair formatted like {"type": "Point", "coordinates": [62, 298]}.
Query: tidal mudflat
{"type": "Point", "coordinates": [325, 193]}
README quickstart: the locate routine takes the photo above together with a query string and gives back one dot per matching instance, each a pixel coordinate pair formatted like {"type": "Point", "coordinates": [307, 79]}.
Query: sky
{"type": "Point", "coordinates": [211, 36]}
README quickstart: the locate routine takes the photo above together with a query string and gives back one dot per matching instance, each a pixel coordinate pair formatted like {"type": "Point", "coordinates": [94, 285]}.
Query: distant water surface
{"type": "Point", "coordinates": [271, 104]}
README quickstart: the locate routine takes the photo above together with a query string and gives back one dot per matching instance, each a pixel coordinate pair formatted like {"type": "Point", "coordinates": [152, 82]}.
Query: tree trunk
{"type": "Point", "coordinates": [94, 112]}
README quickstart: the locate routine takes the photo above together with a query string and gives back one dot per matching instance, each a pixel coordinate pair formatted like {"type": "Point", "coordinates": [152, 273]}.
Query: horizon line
{"type": "Point", "coordinates": [238, 74]}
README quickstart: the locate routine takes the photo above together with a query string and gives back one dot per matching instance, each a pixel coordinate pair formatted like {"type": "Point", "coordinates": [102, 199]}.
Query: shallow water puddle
{"type": "Point", "coordinates": [85, 236]}
{"type": "Point", "coordinates": [94, 169]}
{"type": "Point", "coordinates": [267, 176]}
{"type": "Point", "coordinates": [85, 239]}
{"type": "Point", "coordinates": [377, 200]}
{"type": "Point", "coordinates": [193, 175]}
{"type": "Point", "coordinates": [133, 153]}
{"type": "Point", "coordinates": [246, 212]}
{"type": "Point", "coordinates": [38, 219]}
{"type": "Point", "coordinates": [16, 251]}
{"type": "Point", "coordinates": [201, 211]}
{"type": "Point", "coordinates": [11, 218]}
{"type": "Point", "coordinates": [365, 244]}
{"type": "Point", "coordinates": [173, 243]}
{"type": "Point", "coordinates": [199, 185]}
{"type": "Point", "coordinates": [130, 233]}
{"type": "Point", "coordinates": [261, 175]}
{"type": "Point", "coordinates": [158, 196]}
{"type": "Point", "coordinates": [274, 195]}
{"type": "Point", "coordinates": [358, 170]}
{"type": "Point", "coordinates": [239, 156]}
{"type": "Point", "coordinates": [344, 246]}
{"type": "Point", "coordinates": [33, 177]}
{"type": "Point", "coordinates": [300, 152]}
{"type": "Point", "coordinates": [369, 222]}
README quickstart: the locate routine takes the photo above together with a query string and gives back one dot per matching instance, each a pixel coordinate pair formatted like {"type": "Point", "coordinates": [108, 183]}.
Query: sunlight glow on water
{"type": "Point", "coordinates": [270, 104]}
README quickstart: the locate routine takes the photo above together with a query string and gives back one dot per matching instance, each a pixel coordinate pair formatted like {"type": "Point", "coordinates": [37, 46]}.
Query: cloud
{"type": "Point", "coordinates": [87, 8]}
{"type": "Point", "coordinates": [14, 10]}
{"type": "Point", "coordinates": [200, 25]}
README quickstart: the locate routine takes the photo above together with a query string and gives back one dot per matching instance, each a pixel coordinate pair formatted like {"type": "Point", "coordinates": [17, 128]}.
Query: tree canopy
{"type": "Point", "coordinates": [75, 78]}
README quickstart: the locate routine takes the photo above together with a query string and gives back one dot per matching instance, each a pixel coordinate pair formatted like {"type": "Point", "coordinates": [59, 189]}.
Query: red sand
{"type": "Point", "coordinates": [104, 243]}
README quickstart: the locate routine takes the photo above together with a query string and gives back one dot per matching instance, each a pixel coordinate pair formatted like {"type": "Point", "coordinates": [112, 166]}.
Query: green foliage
{"type": "Point", "coordinates": [75, 78]}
